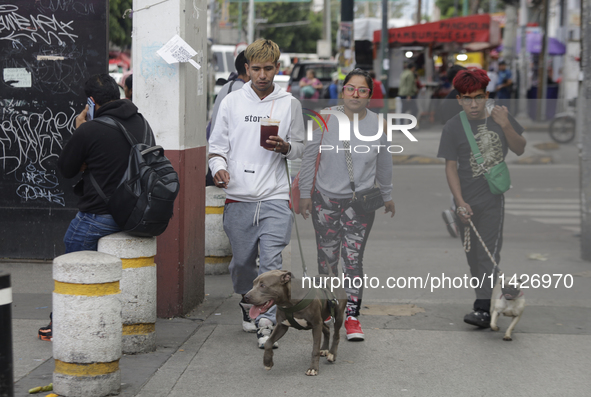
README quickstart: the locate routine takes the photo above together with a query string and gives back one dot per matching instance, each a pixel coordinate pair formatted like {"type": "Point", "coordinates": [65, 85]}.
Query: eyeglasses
{"type": "Point", "coordinates": [363, 92]}
{"type": "Point", "coordinates": [466, 100]}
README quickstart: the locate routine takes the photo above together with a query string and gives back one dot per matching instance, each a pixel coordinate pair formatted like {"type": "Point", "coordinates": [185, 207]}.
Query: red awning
{"type": "Point", "coordinates": [470, 29]}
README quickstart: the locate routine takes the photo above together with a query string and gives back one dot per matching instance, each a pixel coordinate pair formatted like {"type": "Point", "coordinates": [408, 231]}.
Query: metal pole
{"type": "Point", "coordinates": [419, 12]}
{"type": "Point", "coordinates": [542, 63]}
{"type": "Point", "coordinates": [347, 37]}
{"type": "Point", "coordinates": [523, 58]}
{"type": "Point", "coordinates": [327, 25]}
{"type": "Point", "coordinates": [6, 363]}
{"type": "Point", "coordinates": [465, 8]}
{"type": "Point", "coordinates": [384, 44]}
{"type": "Point", "coordinates": [585, 119]}
{"type": "Point", "coordinates": [240, 22]}
{"type": "Point", "coordinates": [250, 21]}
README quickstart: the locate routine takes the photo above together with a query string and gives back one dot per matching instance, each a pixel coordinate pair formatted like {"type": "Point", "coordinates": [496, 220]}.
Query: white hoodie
{"type": "Point", "coordinates": [256, 174]}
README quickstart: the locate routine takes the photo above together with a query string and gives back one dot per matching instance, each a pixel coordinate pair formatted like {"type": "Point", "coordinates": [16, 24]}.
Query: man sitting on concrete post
{"type": "Point", "coordinates": [103, 151]}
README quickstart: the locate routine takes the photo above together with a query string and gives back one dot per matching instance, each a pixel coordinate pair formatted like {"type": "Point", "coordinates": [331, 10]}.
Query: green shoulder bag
{"type": "Point", "coordinates": [498, 178]}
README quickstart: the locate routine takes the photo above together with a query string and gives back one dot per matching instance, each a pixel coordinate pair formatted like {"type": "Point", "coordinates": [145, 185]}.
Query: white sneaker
{"type": "Point", "coordinates": [247, 323]}
{"type": "Point", "coordinates": [264, 332]}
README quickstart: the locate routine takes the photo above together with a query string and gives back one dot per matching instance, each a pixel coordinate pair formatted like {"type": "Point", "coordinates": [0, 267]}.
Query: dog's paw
{"type": "Point", "coordinates": [494, 327]}
{"type": "Point", "coordinates": [268, 368]}
{"type": "Point", "coordinates": [331, 358]}
{"type": "Point", "coordinates": [507, 338]}
{"type": "Point", "coordinates": [323, 353]}
{"type": "Point", "coordinates": [311, 372]}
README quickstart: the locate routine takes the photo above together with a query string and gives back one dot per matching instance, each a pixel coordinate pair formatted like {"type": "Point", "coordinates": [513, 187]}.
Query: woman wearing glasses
{"type": "Point", "coordinates": [326, 193]}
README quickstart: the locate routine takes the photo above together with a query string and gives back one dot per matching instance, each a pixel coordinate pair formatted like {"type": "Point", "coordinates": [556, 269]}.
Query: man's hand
{"type": "Point", "coordinates": [81, 118]}
{"type": "Point", "coordinates": [500, 115]}
{"type": "Point", "coordinates": [306, 207]}
{"type": "Point", "coordinates": [222, 179]}
{"type": "Point", "coordinates": [390, 208]}
{"type": "Point", "coordinates": [278, 145]}
{"type": "Point", "coordinates": [466, 214]}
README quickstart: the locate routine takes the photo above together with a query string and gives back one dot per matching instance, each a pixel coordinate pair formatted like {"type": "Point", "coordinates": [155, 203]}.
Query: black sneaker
{"type": "Point", "coordinates": [478, 318]}
{"type": "Point", "coordinates": [247, 323]}
{"type": "Point", "coordinates": [45, 333]}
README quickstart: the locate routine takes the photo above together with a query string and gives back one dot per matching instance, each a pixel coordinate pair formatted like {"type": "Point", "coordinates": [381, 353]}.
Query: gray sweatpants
{"type": "Point", "coordinates": [250, 226]}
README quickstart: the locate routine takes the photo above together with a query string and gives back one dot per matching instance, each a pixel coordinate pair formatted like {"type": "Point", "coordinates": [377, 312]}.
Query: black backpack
{"type": "Point", "coordinates": [325, 92]}
{"type": "Point", "coordinates": [143, 202]}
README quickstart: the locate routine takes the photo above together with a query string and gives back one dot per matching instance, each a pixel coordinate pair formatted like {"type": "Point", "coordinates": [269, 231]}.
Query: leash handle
{"type": "Point", "coordinates": [295, 221]}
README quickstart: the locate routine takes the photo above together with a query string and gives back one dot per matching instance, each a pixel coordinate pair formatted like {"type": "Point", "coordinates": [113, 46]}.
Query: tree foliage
{"type": "Point", "coordinates": [449, 7]}
{"type": "Point", "coordinates": [119, 28]}
{"type": "Point", "coordinates": [300, 38]}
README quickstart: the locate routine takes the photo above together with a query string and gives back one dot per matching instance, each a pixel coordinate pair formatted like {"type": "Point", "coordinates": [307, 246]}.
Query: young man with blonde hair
{"type": "Point", "coordinates": [257, 217]}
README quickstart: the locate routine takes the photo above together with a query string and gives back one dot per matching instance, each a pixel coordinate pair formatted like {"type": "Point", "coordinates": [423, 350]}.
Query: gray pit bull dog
{"type": "Point", "coordinates": [281, 288]}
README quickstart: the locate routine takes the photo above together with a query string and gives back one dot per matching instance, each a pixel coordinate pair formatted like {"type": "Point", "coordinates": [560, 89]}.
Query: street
{"type": "Point", "coordinates": [416, 341]}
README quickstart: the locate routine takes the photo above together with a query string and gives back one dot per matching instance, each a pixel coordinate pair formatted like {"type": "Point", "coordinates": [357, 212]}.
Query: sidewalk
{"type": "Point", "coordinates": [430, 353]}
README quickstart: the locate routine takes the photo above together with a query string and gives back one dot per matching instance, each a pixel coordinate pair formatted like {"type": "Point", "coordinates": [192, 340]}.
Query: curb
{"type": "Point", "coordinates": [547, 146]}
{"type": "Point", "coordinates": [415, 159]}
{"type": "Point", "coordinates": [535, 159]}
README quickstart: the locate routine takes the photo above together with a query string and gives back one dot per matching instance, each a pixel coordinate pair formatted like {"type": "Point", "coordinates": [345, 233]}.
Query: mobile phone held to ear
{"type": "Point", "coordinates": [90, 113]}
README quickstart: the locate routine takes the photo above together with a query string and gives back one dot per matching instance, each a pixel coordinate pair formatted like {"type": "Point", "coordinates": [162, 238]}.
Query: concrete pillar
{"type": "Point", "coordinates": [218, 252]}
{"type": "Point", "coordinates": [6, 361]}
{"type": "Point", "coordinates": [173, 99]}
{"type": "Point", "coordinates": [138, 289]}
{"type": "Point", "coordinates": [86, 324]}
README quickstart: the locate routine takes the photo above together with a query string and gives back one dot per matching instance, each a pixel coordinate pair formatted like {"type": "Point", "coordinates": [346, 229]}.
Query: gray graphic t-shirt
{"type": "Point", "coordinates": [492, 145]}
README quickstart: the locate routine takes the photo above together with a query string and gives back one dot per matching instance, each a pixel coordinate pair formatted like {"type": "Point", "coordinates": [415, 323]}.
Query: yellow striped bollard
{"type": "Point", "coordinates": [86, 324]}
{"type": "Point", "coordinates": [138, 289]}
{"type": "Point", "coordinates": [218, 252]}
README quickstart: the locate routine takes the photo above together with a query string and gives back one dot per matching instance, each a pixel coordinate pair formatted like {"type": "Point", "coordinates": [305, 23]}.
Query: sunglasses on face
{"type": "Point", "coordinates": [363, 92]}
{"type": "Point", "coordinates": [466, 100]}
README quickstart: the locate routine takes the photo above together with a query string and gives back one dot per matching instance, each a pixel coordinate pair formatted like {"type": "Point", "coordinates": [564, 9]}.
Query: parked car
{"type": "Point", "coordinates": [322, 69]}
{"type": "Point", "coordinates": [223, 64]}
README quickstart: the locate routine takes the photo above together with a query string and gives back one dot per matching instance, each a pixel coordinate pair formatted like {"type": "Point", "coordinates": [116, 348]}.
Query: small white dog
{"type": "Point", "coordinates": [508, 300]}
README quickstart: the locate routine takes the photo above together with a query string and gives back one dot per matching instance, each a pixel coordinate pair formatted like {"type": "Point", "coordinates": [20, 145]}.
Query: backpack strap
{"type": "Point", "coordinates": [148, 139]}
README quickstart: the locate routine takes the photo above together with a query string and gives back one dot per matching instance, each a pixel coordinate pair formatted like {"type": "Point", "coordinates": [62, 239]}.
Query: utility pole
{"type": "Point", "coordinates": [347, 38]}
{"type": "Point", "coordinates": [384, 43]}
{"type": "Point", "coordinates": [419, 12]}
{"type": "Point", "coordinates": [542, 72]}
{"type": "Point", "coordinates": [250, 21]}
{"type": "Point", "coordinates": [523, 58]}
{"type": "Point", "coordinates": [510, 34]}
{"type": "Point", "coordinates": [327, 36]}
{"type": "Point", "coordinates": [585, 155]}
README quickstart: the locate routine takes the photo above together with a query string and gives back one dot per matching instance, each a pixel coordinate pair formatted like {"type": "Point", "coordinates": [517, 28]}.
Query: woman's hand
{"type": "Point", "coordinates": [306, 207]}
{"type": "Point", "coordinates": [389, 208]}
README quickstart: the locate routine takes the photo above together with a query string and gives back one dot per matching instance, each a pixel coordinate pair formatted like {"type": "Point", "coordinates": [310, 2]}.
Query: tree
{"type": "Point", "coordinates": [449, 10]}
{"type": "Point", "coordinates": [300, 38]}
{"type": "Point", "coordinates": [119, 28]}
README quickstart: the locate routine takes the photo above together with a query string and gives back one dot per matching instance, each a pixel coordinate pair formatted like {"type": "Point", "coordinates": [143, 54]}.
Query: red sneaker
{"type": "Point", "coordinates": [354, 331]}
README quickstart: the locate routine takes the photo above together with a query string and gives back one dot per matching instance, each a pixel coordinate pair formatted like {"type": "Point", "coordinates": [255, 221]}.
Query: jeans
{"type": "Point", "coordinates": [86, 229]}
{"type": "Point", "coordinates": [488, 219]}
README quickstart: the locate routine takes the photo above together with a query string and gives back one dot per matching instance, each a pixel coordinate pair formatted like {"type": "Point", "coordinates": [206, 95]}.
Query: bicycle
{"type": "Point", "coordinates": [563, 126]}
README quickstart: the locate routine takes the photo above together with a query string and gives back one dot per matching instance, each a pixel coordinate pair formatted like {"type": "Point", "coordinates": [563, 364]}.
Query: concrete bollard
{"type": "Point", "coordinates": [86, 324]}
{"type": "Point", "coordinates": [218, 252]}
{"type": "Point", "coordinates": [6, 361]}
{"type": "Point", "coordinates": [138, 289]}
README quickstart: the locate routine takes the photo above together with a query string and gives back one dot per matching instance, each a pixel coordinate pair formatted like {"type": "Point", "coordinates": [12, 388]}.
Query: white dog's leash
{"type": "Point", "coordinates": [467, 245]}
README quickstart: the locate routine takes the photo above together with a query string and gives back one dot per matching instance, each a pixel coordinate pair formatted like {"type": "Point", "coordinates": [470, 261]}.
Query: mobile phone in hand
{"type": "Point", "coordinates": [90, 113]}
